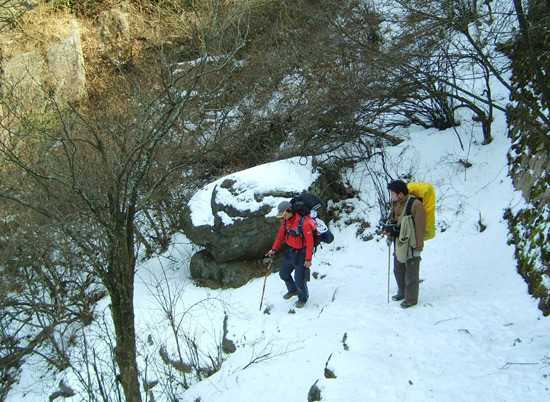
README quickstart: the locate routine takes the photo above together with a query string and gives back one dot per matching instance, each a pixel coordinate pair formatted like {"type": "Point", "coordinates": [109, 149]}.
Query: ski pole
{"type": "Point", "coordinates": [389, 257]}
{"type": "Point", "coordinates": [269, 265]}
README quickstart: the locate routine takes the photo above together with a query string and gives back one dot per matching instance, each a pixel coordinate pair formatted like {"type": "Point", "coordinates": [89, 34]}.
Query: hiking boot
{"type": "Point", "coordinates": [288, 295]}
{"type": "Point", "coordinates": [407, 304]}
{"type": "Point", "coordinates": [300, 304]}
{"type": "Point", "coordinates": [397, 297]}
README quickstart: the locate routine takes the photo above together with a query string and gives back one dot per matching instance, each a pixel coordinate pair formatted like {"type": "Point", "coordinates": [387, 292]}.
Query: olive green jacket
{"type": "Point", "coordinates": [406, 241]}
{"type": "Point", "coordinates": [413, 228]}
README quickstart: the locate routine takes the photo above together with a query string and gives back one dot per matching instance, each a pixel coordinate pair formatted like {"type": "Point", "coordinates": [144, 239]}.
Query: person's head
{"type": "Point", "coordinates": [398, 190]}
{"type": "Point", "coordinates": [285, 210]}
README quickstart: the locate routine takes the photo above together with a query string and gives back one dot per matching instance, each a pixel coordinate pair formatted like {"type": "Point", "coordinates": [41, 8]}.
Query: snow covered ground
{"type": "Point", "coordinates": [476, 334]}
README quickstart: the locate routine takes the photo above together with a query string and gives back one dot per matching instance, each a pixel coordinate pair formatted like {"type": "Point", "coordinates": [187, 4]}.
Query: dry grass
{"type": "Point", "coordinates": [155, 23]}
{"type": "Point", "coordinates": [36, 30]}
{"type": "Point", "coordinates": [170, 25]}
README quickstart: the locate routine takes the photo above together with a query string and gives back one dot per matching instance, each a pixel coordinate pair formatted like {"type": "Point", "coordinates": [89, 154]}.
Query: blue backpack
{"type": "Point", "coordinates": [324, 236]}
{"type": "Point", "coordinates": [307, 205]}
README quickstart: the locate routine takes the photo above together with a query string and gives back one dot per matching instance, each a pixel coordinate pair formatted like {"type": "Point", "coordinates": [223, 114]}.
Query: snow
{"type": "Point", "coordinates": [290, 175]}
{"type": "Point", "coordinates": [475, 335]}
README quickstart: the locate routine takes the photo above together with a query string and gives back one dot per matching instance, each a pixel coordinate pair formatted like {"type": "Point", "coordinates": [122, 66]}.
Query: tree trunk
{"type": "Point", "coordinates": [121, 290]}
{"type": "Point", "coordinates": [125, 353]}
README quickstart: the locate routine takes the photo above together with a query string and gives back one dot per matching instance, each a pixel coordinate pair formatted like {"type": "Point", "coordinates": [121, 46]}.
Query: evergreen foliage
{"type": "Point", "coordinates": [529, 157]}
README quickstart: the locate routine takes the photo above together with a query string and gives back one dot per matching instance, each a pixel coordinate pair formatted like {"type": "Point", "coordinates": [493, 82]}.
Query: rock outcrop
{"type": "Point", "coordinates": [114, 31]}
{"type": "Point", "coordinates": [23, 82]}
{"type": "Point", "coordinates": [236, 234]}
{"type": "Point", "coordinates": [66, 67]}
{"type": "Point", "coordinates": [28, 77]}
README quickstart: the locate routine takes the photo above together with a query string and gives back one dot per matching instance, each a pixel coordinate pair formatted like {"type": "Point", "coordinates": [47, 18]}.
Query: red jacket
{"type": "Point", "coordinates": [297, 242]}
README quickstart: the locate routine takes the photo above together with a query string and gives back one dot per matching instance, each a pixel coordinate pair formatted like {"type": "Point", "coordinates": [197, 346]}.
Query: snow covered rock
{"type": "Point", "coordinates": [236, 233]}
{"type": "Point", "coordinates": [234, 218]}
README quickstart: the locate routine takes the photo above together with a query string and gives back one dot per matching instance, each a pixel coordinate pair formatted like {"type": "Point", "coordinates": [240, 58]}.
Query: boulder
{"type": "Point", "coordinates": [234, 219]}
{"type": "Point", "coordinates": [225, 274]}
{"type": "Point", "coordinates": [249, 234]}
{"type": "Point", "coordinates": [66, 65]}
{"type": "Point", "coordinates": [27, 77]}
{"type": "Point", "coordinates": [114, 27]}
{"type": "Point", "coordinates": [114, 31]}
{"type": "Point", "coordinates": [24, 78]}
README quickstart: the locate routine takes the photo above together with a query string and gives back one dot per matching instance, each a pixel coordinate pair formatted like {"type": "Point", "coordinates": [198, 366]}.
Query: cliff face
{"type": "Point", "coordinates": [29, 77]}
{"type": "Point", "coordinates": [529, 157]}
{"type": "Point", "coordinates": [45, 56]}
{"type": "Point", "coordinates": [530, 225]}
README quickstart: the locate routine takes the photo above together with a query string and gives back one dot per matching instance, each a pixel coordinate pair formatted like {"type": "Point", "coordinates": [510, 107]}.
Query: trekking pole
{"type": "Point", "coordinates": [269, 265]}
{"type": "Point", "coordinates": [389, 257]}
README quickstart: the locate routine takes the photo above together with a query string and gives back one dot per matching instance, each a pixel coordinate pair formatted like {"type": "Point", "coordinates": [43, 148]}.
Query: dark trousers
{"type": "Point", "coordinates": [294, 261]}
{"type": "Point", "coordinates": [407, 276]}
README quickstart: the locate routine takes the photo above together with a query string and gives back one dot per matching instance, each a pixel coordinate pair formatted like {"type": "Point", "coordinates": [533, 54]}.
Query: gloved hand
{"type": "Point", "coordinates": [416, 254]}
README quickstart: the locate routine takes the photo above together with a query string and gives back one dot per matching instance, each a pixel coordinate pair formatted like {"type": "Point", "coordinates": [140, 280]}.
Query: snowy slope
{"type": "Point", "coordinates": [476, 334]}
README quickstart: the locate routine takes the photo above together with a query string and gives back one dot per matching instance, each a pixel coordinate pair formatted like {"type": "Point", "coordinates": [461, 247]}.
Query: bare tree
{"type": "Point", "coordinates": [306, 93]}
{"type": "Point", "coordinates": [479, 32]}
{"type": "Point", "coordinates": [94, 172]}
{"type": "Point", "coordinates": [45, 296]}
{"type": "Point", "coordinates": [429, 73]}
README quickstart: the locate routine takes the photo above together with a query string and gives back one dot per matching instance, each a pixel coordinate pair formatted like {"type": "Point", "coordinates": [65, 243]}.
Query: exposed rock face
{"type": "Point", "coordinates": [534, 167]}
{"type": "Point", "coordinates": [249, 236]}
{"type": "Point", "coordinates": [529, 224]}
{"type": "Point", "coordinates": [66, 65]}
{"type": "Point", "coordinates": [27, 77]}
{"type": "Point", "coordinates": [114, 27]}
{"type": "Point", "coordinates": [114, 31]}
{"type": "Point", "coordinates": [24, 77]}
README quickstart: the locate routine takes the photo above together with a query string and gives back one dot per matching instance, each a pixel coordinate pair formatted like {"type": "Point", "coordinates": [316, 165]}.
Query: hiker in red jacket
{"type": "Point", "coordinates": [298, 255]}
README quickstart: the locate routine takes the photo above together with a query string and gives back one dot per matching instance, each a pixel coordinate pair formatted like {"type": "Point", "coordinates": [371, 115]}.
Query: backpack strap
{"type": "Point", "coordinates": [300, 224]}
{"type": "Point", "coordinates": [316, 234]}
{"type": "Point", "coordinates": [409, 204]}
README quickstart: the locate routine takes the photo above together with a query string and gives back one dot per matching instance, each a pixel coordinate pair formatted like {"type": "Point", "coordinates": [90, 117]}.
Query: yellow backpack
{"type": "Point", "coordinates": [426, 193]}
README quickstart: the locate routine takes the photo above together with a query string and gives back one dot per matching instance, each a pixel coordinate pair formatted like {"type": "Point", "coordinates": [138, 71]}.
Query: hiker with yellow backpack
{"type": "Point", "coordinates": [410, 222]}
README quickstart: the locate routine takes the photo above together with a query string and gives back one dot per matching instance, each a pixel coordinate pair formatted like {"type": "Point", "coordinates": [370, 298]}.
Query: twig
{"type": "Point", "coordinates": [509, 364]}
{"type": "Point", "coordinates": [264, 354]}
{"type": "Point", "coordinates": [447, 319]}
{"type": "Point", "coordinates": [257, 359]}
